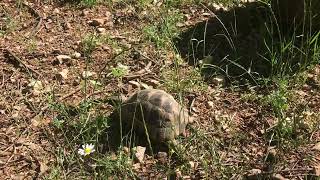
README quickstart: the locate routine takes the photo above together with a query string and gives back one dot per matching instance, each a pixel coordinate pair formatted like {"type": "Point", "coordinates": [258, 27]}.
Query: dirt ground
{"type": "Point", "coordinates": [33, 34]}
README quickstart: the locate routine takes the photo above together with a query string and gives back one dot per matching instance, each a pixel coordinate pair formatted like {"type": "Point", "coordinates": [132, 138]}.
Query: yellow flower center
{"type": "Point", "coordinates": [87, 150]}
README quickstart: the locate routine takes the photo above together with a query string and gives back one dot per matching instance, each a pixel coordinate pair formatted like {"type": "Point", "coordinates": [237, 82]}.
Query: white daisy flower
{"type": "Point", "coordinates": [86, 149]}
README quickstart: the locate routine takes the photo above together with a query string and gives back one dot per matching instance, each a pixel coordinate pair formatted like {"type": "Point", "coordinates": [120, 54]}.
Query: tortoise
{"type": "Point", "coordinates": [156, 112]}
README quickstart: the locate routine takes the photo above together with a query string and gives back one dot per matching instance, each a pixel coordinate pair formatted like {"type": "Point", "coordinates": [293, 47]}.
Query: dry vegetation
{"type": "Point", "coordinates": [254, 93]}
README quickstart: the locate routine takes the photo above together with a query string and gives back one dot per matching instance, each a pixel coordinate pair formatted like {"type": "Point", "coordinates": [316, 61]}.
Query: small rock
{"type": "Point", "coordinates": [209, 104]}
{"type": "Point", "coordinates": [96, 22]}
{"type": "Point", "coordinates": [63, 58]}
{"type": "Point", "coordinates": [76, 55]}
{"type": "Point", "coordinates": [87, 74]}
{"type": "Point", "coordinates": [101, 30]}
{"type": "Point", "coordinates": [139, 153]}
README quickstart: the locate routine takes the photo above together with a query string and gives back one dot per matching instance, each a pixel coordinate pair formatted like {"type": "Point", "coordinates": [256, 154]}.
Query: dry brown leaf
{"type": "Point", "coordinates": [316, 146]}
{"type": "Point", "coordinates": [139, 153]}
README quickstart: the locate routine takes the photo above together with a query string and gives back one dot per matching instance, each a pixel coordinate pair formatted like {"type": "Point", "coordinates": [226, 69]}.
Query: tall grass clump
{"type": "Point", "coordinates": [291, 49]}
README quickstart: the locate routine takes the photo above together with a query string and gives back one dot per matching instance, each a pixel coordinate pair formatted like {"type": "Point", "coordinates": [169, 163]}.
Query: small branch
{"type": "Point", "coordinates": [19, 61]}
{"type": "Point", "coordinates": [60, 99]}
{"type": "Point", "coordinates": [287, 171]}
{"type": "Point", "coordinates": [145, 56]}
{"type": "Point", "coordinates": [130, 77]}
{"type": "Point", "coordinates": [140, 73]}
{"type": "Point", "coordinates": [112, 58]}
{"type": "Point", "coordinates": [37, 15]}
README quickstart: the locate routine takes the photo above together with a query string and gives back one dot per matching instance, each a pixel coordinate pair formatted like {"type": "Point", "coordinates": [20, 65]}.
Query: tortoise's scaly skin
{"type": "Point", "coordinates": [156, 111]}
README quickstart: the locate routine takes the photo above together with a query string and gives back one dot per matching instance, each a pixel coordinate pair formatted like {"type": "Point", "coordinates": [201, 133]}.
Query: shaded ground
{"type": "Point", "coordinates": [232, 134]}
{"type": "Point", "coordinates": [233, 39]}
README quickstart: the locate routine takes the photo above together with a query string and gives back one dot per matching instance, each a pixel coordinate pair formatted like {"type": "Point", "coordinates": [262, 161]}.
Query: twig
{"type": "Point", "coordinates": [130, 77]}
{"type": "Point", "coordinates": [37, 15]}
{"type": "Point", "coordinates": [145, 69]}
{"type": "Point", "coordinates": [94, 93]}
{"type": "Point", "coordinates": [16, 58]}
{"type": "Point", "coordinates": [60, 99]}
{"type": "Point", "coordinates": [145, 56]}
{"type": "Point", "coordinates": [140, 73]}
{"type": "Point", "coordinates": [286, 171]}
{"type": "Point", "coordinates": [112, 58]}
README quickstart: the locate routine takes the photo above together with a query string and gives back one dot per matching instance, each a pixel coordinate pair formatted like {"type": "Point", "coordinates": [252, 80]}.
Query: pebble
{"type": "Point", "coordinates": [209, 104]}
{"type": "Point", "coordinates": [76, 55]}
{"type": "Point", "coordinates": [101, 30]}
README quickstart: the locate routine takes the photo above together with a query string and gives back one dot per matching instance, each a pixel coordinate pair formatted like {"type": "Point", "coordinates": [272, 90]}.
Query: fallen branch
{"type": "Point", "coordinates": [145, 56]}
{"type": "Point", "coordinates": [37, 15]}
{"type": "Point", "coordinates": [60, 99]}
{"type": "Point", "coordinates": [19, 61]}
{"type": "Point", "coordinates": [140, 73]}
{"type": "Point", "coordinates": [285, 171]}
{"type": "Point", "coordinates": [112, 58]}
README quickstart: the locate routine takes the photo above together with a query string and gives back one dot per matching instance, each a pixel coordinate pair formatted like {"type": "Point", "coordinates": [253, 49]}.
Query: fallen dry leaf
{"type": "Point", "coordinates": [139, 153]}
{"type": "Point", "coordinates": [316, 146]}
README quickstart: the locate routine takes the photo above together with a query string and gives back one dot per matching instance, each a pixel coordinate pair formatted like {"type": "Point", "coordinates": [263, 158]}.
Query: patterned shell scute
{"type": "Point", "coordinates": [163, 116]}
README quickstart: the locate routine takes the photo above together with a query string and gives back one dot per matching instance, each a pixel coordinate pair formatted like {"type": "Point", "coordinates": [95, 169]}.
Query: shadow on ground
{"type": "Point", "coordinates": [232, 42]}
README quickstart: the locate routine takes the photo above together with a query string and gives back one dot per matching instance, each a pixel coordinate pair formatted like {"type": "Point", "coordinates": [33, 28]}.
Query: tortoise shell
{"type": "Point", "coordinates": [157, 112]}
